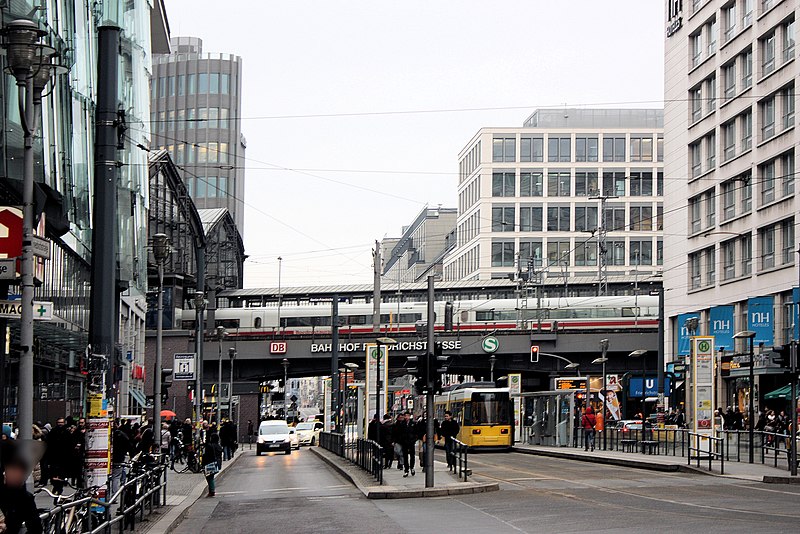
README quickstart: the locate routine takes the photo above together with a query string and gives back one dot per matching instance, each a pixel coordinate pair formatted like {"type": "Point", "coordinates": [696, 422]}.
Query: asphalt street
{"type": "Point", "coordinates": [298, 493]}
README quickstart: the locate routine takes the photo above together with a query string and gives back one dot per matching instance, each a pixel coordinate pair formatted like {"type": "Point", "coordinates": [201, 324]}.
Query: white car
{"type": "Point", "coordinates": [273, 436]}
{"type": "Point", "coordinates": [308, 432]}
{"type": "Point", "coordinates": [294, 438]}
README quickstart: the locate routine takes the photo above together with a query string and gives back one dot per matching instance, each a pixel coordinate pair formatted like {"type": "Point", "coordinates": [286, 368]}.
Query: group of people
{"type": "Point", "coordinates": [405, 437]}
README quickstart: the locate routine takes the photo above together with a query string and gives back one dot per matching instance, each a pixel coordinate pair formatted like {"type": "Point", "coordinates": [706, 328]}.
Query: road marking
{"type": "Point", "coordinates": [492, 516]}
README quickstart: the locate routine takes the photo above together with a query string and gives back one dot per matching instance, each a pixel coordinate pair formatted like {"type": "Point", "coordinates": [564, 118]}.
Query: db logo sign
{"type": "Point", "coordinates": [278, 347]}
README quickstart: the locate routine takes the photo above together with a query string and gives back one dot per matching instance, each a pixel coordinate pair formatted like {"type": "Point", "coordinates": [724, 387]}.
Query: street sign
{"type": "Point", "coordinates": [8, 268]}
{"type": "Point", "coordinates": [490, 344]}
{"type": "Point", "coordinates": [12, 309]}
{"type": "Point", "coordinates": [41, 247]}
{"type": "Point", "coordinates": [184, 366]}
{"type": "Point", "coordinates": [293, 398]}
{"type": "Point", "coordinates": [278, 347]}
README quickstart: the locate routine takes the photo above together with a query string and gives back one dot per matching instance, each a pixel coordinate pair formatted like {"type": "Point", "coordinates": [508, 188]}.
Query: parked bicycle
{"type": "Point", "coordinates": [72, 519]}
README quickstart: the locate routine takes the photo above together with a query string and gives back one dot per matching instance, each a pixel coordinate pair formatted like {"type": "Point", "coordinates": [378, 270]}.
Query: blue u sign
{"type": "Point", "coordinates": [635, 387]}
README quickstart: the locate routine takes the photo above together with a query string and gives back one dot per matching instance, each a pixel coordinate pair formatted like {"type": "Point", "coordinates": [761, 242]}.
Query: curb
{"type": "Point", "coordinates": [781, 480]}
{"type": "Point", "coordinates": [176, 515]}
{"type": "Point", "coordinates": [379, 492]}
{"type": "Point", "coordinates": [636, 464]}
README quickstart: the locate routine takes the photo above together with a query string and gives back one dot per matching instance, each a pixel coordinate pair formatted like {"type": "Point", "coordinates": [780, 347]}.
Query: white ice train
{"type": "Point", "coordinates": [568, 313]}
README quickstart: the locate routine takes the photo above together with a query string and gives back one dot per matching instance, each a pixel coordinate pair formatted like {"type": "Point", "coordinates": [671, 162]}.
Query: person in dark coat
{"type": "Point", "coordinates": [227, 438]}
{"type": "Point", "coordinates": [212, 454]}
{"type": "Point", "coordinates": [449, 430]}
{"type": "Point", "coordinates": [408, 437]}
{"type": "Point", "coordinates": [398, 437]}
{"type": "Point", "coordinates": [147, 439]}
{"type": "Point", "coordinates": [59, 453]}
{"type": "Point", "coordinates": [386, 441]}
{"type": "Point", "coordinates": [186, 432]}
{"type": "Point", "coordinates": [16, 503]}
{"type": "Point", "coordinates": [372, 428]}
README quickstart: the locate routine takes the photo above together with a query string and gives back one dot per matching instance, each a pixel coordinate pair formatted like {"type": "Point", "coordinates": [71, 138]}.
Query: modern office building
{"type": "Point", "coordinates": [730, 206]}
{"type": "Point", "coordinates": [532, 196]}
{"type": "Point", "coordinates": [419, 252]}
{"type": "Point", "coordinates": [196, 117]}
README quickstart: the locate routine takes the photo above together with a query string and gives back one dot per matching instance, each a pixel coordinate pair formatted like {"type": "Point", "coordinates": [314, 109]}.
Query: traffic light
{"type": "Point", "coordinates": [448, 316]}
{"type": "Point", "coordinates": [190, 391]}
{"type": "Point", "coordinates": [439, 359]}
{"type": "Point", "coordinates": [781, 356]}
{"type": "Point", "coordinates": [413, 367]}
{"type": "Point", "coordinates": [166, 382]}
{"type": "Point", "coordinates": [534, 353]}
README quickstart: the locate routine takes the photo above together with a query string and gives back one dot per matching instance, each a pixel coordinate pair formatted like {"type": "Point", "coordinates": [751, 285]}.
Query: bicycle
{"type": "Point", "coordinates": [189, 458]}
{"type": "Point", "coordinates": [72, 518]}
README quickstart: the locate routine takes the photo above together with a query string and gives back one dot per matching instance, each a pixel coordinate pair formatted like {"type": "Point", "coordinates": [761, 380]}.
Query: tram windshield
{"type": "Point", "coordinates": [487, 409]}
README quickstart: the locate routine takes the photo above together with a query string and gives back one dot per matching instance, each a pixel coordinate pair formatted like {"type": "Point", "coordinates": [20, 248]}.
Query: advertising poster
{"type": "Point", "coordinates": [98, 453]}
{"type": "Point", "coordinates": [703, 382]}
{"type": "Point", "coordinates": [373, 360]}
{"type": "Point", "coordinates": [515, 388]}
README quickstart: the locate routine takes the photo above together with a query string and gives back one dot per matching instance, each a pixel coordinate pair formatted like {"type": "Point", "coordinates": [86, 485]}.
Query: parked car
{"type": "Point", "coordinates": [273, 436]}
{"type": "Point", "coordinates": [294, 438]}
{"type": "Point", "coordinates": [308, 432]}
{"type": "Point", "coordinates": [628, 425]}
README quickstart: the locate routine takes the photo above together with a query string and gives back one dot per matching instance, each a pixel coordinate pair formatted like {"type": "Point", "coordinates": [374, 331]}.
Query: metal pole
{"type": "Point", "coordinates": [335, 400]}
{"type": "Point", "coordinates": [219, 378]}
{"type": "Point", "coordinates": [661, 362]}
{"type": "Point", "coordinates": [378, 388]}
{"type": "Point", "coordinates": [492, 360]}
{"type": "Point", "coordinates": [751, 404]}
{"type": "Point", "coordinates": [230, 390]}
{"type": "Point", "coordinates": [603, 352]}
{"type": "Point", "coordinates": [376, 290]}
{"type": "Point", "coordinates": [159, 356]}
{"type": "Point", "coordinates": [280, 296]}
{"type": "Point", "coordinates": [793, 411]}
{"type": "Point", "coordinates": [198, 349]}
{"type": "Point", "coordinates": [432, 365]}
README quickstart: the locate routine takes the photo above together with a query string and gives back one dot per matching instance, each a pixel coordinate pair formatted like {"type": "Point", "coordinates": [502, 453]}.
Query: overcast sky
{"type": "Point", "coordinates": [320, 190]}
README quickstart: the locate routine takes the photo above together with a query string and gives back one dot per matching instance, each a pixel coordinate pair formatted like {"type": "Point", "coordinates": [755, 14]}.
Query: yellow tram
{"type": "Point", "coordinates": [484, 412]}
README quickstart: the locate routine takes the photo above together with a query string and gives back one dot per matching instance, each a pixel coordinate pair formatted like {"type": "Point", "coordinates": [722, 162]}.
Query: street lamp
{"type": "Point", "coordinates": [221, 333]}
{"type": "Point", "coordinates": [492, 361]}
{"type": "Point", "coordinates": [749, 334]}
{"type": "Point", "coordinates": [231, 357]}
{"type": "Point", "coordinates": [199, 305]}
{"type": "Point", "coordinates": [30, 63]}
{"type": "Point", "coordinates": [603, 359]}
{"type": "Point", "coordinates": [389, 342]}
{"type": "Point", "coordinates": [573, 365]}
{"type": "Point", "coordinates": [161, 250]}
{"type": "Point", "coordinates": [285, 364]}
{"type": "Point", "coordinates": [636, 354]}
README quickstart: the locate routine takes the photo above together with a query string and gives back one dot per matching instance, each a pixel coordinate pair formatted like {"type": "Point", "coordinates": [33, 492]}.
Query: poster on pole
{"type": "Point", "coordinates": [97, 465]}
{"type": "Point", "coordinates": [326, 405]}
{"type": "Point", "coordinates": [703, 383]}
{"type": "Point", "coordinates": [374, 358]}
{"type": "Point", "coordinates": [515, 388]}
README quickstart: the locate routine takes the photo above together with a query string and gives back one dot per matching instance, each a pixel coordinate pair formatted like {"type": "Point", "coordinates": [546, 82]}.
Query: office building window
{"type": "Point", "coordinates": [641, 148]}
{"type": "Point", "coordinates": [614, 183]}
{"type": "Point", "coordinates": [530, 219]}
{"type": "Point", "coordinates": [660, 183]}
{"type": "Point", "coordinates": [747, 69]}
{"type": "Point", "coordinates": [641, 252]}
{"type": "Point", "coordinates": [558, 252]}
{"type": "Point", "coordinates": [729, 140]}
{"type": "Point", "coordinates": [171, 120]}
{"type": "Point", "coordinates": [696, 98]}
{"type": "Point", "coordinates": [504, 149]}
{"type": "Point", "coordinates": [766, 237]}
{"type": "Point", "coordinates": [558, 184]}
{"type": "Point", "coordinates": [787, 179]}
{"type": "Point", "coordinates": [747, 13]}
{"type": "Point", "coordinates": [768, 54]}
{"type": "Point", "coordinates": [696, 159]}
{"type": "Point", "coordinates": [767, 107]}
{"type": "Point", "coordinates": [729, 79]}
{"type": "Point", "coordinates": [659, 252]}
{"type": "Point", "coordinates": [660, 217]}
{"type": "Point", "coordinates": [711, 266]}
{"type": "Point", "coordinates": [585, 218]}
{"type": "Point", "coordinates": [191, 84]}
{"type": "Point", "coordinates": [586, 149]}
{"type": "Point", "coordinates": [191, 118]}
{"type": "Point", "coordinates": [211, 186]}
{"type": "Point", "coordinates": [502, 253]}
{"type": "Point", "coordinates": [787, 241]}
{"type": "Point", "coordinates": [613, 149]}
{"type": "Point", "coordinates": [711, 207]}
{"type": "Point", "coordinates": [747, 130]}
{"type": "Point", "coordinates": [223, 152]}
{"type": "Point", "coordinates": [223, 117]}
{"type": "Point", "coordinates": [531, 183]}
{"type": "Point", "coordinates": [503, 184]}
{"type": "Point", "coordinates": [614, 218]}
{"type": "Point", "coordinates": [728, 190]}
{"type": "Point", "coordinates": [181, 85]}
{"type": "Point", "coordinates": [641, 218]}
{"type": "Point", "coordinates": [788, 41]}
{"type": "Point", "coordinates": [713, 31]}
{"type": "Point", "coordinates": [729, 21]}
{"type": "Point", "coordinates": [179, 153]}
{"type": "Point", "coordinates": [200, 187]}
{"type": "Point", "coordinates": [202, 83]}
{"type": "Point", "coordinates": [162, 87]}
{"type": "Point", "coordinates": [747, 193]}
{"type": "Point", "coordinates": [615, 252]}
{"type": "Point", "coordinates": [695, 215]}
{"type": "Point", "coordinates": [767, 182]}
{"type": "Point", "coordinates": [660, 148]}
{"type": "Point", "coordinates": [558, 219]}
{"type": "Point", "coordinates": [728, 249]}
{"type": "Point", "coordinates": [531, 149]}
{"type": "Point", "coordinates": [503, 219]}
{"type": "Point", "coordinates": [695, 277]}
{"type": "Point", "coordinates": [711, 91]}
{"type": "Point", "coordinates": [787, 103]}
{"type": "Point", "coordinates": [558, 149]}
{"type": "Point", "coordinates": [224, 84]}
{"type": "Point", "coordinates": [696, 42]}
{"type": "Point", "coordinates": [585, 254]}
{"type": "Point", "coordinates": [531, 249]}
{"type": "Point", "coordinates": [213, 117]}
{"type": "Point", "coordinates": [711, 151]}
{"type": "Point", "coordinates": [586, 183]}
{"type": "Point", "coordinates": [746, 248]}
{"type": "Point", "coordinates": [222, 186]}
{"type": "Point", "coordinates": [213, 83]}
{"type": "Point", "coordinates": [162, 120]}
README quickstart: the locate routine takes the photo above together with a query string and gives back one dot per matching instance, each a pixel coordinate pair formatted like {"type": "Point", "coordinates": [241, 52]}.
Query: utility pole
{"type": "Point", "coordinates": [335, 361]}
{"type": "Point", "coordinates": [793, 413]}
{"type": "Point", "coordinates": [660, 379]}
{"type": "Point", "coordinates": [431, 369]}
{"type": "Point", "coordinates": [602, 249]}
{"type": "Point", "coordinates": [376, 292]}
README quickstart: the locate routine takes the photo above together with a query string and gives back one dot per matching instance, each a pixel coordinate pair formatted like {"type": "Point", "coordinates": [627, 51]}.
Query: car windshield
{"type": "Point", "coordinates": [268, 430]}
{"type": "Point", "coordinates": [305, 426]}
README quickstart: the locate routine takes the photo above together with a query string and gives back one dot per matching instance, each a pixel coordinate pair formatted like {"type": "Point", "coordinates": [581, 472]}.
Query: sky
{"type": "Point", "coordinates": [355, 111]}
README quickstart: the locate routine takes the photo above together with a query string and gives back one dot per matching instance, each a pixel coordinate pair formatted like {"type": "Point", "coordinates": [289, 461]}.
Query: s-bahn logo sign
{"type": "Point", "coordinates": [490, 344]}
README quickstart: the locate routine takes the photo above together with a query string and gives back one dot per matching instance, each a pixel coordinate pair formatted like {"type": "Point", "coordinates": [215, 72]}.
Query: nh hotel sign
{"type": "Point", "coordinates": [674, 16]}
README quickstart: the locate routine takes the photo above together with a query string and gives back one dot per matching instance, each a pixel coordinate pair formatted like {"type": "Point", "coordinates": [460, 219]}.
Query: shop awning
{"type": "Point", "coordinates": [139, 397]}
{"type": "Point", "coordinates": [781, 393]}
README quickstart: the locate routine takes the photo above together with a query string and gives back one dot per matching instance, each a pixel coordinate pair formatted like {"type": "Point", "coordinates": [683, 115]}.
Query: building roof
{"type": "Point", "coordinates": [210, 217]}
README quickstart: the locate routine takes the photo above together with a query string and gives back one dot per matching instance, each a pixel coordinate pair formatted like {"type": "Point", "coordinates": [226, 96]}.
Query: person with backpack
{"type": "Point", "coordinates": [212, 461]}
{"type": "Point", "coordinates": [588, 423]}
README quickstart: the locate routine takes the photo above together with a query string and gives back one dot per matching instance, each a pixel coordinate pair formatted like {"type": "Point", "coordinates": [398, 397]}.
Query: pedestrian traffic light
{"type": "Point", "coordinates": [412, 365]}
{"type": "Point", "coordinates": [166, 382]}
{"type": "Point", "coordinates": [534, 353]}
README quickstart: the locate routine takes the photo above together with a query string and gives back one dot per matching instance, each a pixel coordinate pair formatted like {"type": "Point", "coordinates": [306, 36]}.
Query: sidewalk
{"type": "Point", "coordinates": [738, 470]}
{"type": "Point", "coordinates": [395, 486]}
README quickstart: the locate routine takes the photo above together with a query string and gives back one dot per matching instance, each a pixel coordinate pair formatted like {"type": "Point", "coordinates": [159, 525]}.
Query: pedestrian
{"type": "Point", "coordinates": [386, 441]}
{"type": "Point", "coordinates": [450, 429]}
{"type": "Point", "coordinates": [17, 505]}
{"type": "Point", "coordinates": [588, 423]}
{"type": "Point", "coordinates": [227, 438]}
{"type": "Point", "coordinates": [59, 448]}
{"type": "Point", "coordinates": [146, 439]}
{"type": "Point", "coordinates": [250, 431]}
{"type": "Point", "coordinates": [121, 448]}
{"type": "Point", "coordinates": [408, 438]}
{"type": "Point", "coordinates": [212, 461]}
{"type": "Point", "coordinates": [186, 432]}
{"type": "Point", "coordinates": [398, 436]}
{"type": "Point", "coordinates": [372, 428]}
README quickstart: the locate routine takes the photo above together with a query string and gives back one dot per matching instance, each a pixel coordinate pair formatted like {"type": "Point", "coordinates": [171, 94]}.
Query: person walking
{"type": "Point", "coordinates": [408, 438]}
{"type": "Point", "coordinates": [372, 428]}
{"type": "Point", "coordinates": [121, 447]}
{"type": "Point", "coordinates": [59, 447]}
{"type": "Point", "coordinates": [250, 431]}
{"type": "Point", "coordinates": [17, 505]}
{"type": "Point", "coordinates": [227, 438]}
{"type": "Point", "coordinates": [450, 429]}
{"type": "Point", "coordinates": [386, 441]}
{"type": "Point", "coordinates": [212, 462]}
{"type": "Point", "coordinates": [588, 423]}
{"type": "Point", "coordinates": [398, 436]}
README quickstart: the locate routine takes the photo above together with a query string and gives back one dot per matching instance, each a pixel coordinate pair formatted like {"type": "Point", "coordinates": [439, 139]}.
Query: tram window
{"type": "Point", "coordinates": [257, 322]}
{"type": "Point", "coordinates": [631, 312]}
{"type": "Point", "coordinates": [227, 323]}
{"type": "Point", "coordinates": [187, 325]}
{"type": "Point", "coordinates": [493, 315]}
{"type": "Point", "coordinates": [359, 319]}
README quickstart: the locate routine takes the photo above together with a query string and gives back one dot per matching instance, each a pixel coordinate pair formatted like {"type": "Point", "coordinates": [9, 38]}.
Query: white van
{"type": "Point", "coordinates": [273, 436]}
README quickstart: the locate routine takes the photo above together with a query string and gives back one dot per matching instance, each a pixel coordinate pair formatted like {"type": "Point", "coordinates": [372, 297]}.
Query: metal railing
{"type": "Point", "coordinates": [145, 489]}
{"type": "Point", "coordinates": [459, 463]}
{"type": "Point", "coordinates": [714, 451]}
{"type": "Point", "coordinates": [364, 453]}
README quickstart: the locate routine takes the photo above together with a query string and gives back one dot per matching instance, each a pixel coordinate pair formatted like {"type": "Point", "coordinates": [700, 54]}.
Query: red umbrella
{"type": "Point", "coordinates": [168, 414]}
